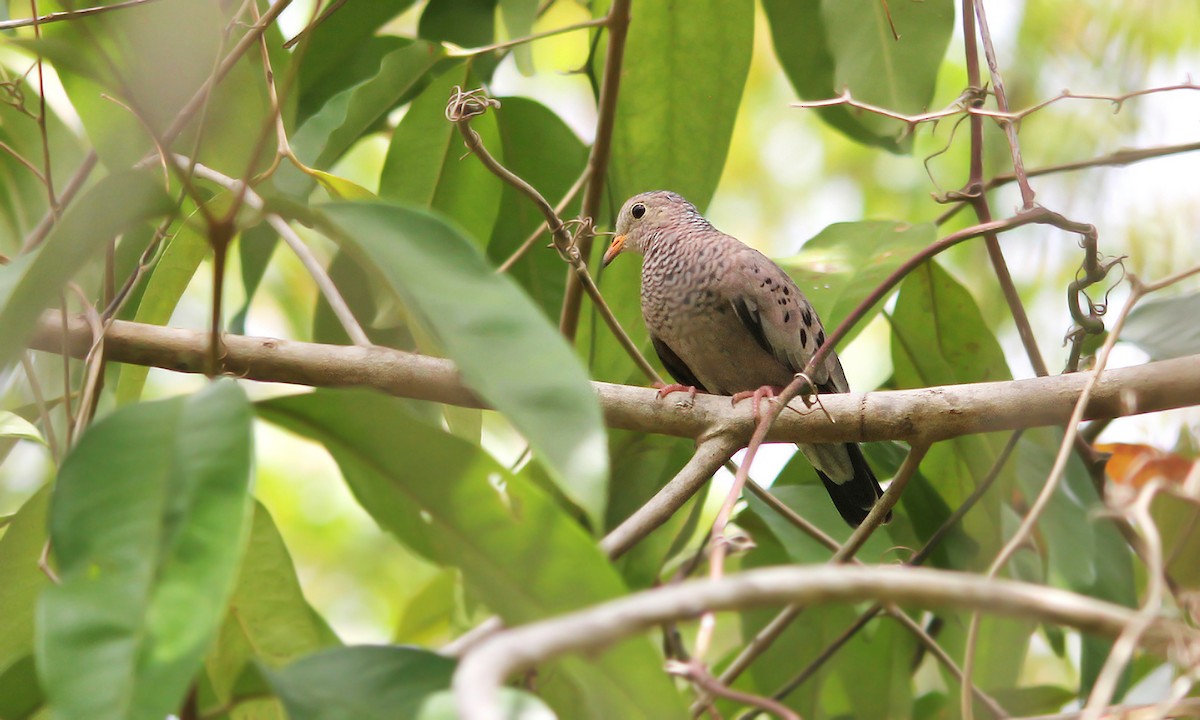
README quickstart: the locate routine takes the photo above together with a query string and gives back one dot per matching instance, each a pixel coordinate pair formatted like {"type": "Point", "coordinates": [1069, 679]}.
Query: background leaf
{"type": "Point", "coordinates": [148, 523]}
{"type": "Point", "coordinates": [828, 46]}
{"type": "Point", "coordinates": [491, 525]}
{"type": "Point", "coordinates": [487, 326]}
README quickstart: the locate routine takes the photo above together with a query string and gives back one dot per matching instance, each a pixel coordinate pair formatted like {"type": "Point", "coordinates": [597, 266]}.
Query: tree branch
{"type": "Point", "coordinates": [914, 416]}
{"type": "Point", "coordinates": [481, 672]}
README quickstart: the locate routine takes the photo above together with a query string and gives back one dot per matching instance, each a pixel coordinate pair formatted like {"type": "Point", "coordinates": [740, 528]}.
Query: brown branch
{"type": "Point", "coordinates": [1119, 158]}
{"type": "Point", "coordinates": [610, 84]}
{"type": "Point", "coordinates": [68, 14]}
{"type": "Point", "coordinates": [481, 672]}
{"type": "Point", "coordinates": [914, 416]}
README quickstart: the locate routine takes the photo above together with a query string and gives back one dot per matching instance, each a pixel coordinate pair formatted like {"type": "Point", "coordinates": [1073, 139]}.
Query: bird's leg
{"type": "Point", "coordinates": [665, 390]}
{"type": "Point", "coordinates": [766, 391]}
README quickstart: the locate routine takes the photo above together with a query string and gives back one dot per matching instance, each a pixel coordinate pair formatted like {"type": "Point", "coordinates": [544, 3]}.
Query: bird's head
{"type": "Point", "coordinates": [644, 215]}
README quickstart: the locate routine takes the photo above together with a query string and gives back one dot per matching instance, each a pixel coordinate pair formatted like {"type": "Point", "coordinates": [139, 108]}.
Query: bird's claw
{"type": "Point", "coordinates": [666, 390]}
{"type": "Point", "coordinates": [767, 392]}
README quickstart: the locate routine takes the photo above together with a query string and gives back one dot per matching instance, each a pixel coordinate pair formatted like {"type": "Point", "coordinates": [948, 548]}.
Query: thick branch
{"type": "Point", "coordinates": [481, 671]}
{"type": "Point", "coordinates": [914, 416]}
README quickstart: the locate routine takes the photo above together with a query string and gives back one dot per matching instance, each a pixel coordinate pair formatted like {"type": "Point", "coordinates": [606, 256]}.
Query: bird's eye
{"type": "Point", "coordinates": [637, 211]}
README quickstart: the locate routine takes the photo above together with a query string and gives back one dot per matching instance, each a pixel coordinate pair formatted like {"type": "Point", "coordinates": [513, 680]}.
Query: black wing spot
{"type": "Point", "coordinates": [786, 291]}
{"type": "Point", "coordinates": [750, 319]}
{"type": "Point", "coordinates": [787, 316]}
{"type": "Point", "coordinates": [803, 338]}
{"type": "Point", "coordinates": [820, 338]}
{"type": "Point", "coordinates": [807, 316]}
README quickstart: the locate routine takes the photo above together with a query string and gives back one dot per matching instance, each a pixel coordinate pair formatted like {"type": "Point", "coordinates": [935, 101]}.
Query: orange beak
{"type": "Point", "coordinates": [614, 249]}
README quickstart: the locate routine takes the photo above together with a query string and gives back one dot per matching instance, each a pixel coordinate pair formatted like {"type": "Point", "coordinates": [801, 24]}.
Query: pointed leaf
{"type": "Point", "coordinates": [681, 84]}
{"type": "Point", "coordinates": [503, 346]}
{"type": "Point", "coordinates": [839, 267]}
{"type": "Point", "coordinates": [150, 512]}
{"type": "Point", "coordinates": [1154, 326]}
{"type": "Point", "coordinates": [452, 502]}
{"type": "Point", "coordinates": [428, 166]}
{"type": "Point", "coordinates": [828, 46]}
{"type": "Point", "coordinates": [32, 282]}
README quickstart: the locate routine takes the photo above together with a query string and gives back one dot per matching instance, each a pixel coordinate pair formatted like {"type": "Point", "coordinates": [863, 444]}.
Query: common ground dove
{"type": "Point", "coordinates": [725, 319]}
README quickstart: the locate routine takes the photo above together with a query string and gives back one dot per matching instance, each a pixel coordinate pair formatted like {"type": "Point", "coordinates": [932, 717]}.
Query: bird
{"type": "Point", "coordinates": [726, 320]}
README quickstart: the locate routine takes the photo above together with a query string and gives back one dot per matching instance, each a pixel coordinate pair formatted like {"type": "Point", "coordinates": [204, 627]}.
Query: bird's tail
{"type": "Point", "coordinates": [855, 496]}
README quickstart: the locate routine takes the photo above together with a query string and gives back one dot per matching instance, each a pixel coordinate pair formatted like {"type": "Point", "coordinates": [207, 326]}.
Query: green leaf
{"type": "Point", "coordinates": [539, 147]}
{"type": "Point", "coordinates": [828, 46]}
{"type": "Point", "coordinates": [255, 247]}
{"type": "Point", "coordinates": [15, 426]}
{"type": "Point", "coordinates": [467, 23]}
{"type": "Point", "coordinates": [20, 694]}
{"type": "Point", "coordinates": [169, 278]}
{"type": "Point", "coordinates": [268, 623]}
{"type": "Point", "coordinates": [939, 337]}
{"type": "Point", "coordinates": [1084, 555]}
{"type": "Point", "coordinates": [845, 262]}
{"type": "Point", "coordinates": [346, 116]}
{"type": "Point", "coordinates": [450, 501]}
{"type": "Point", "coordinates": [681, 84]}
{"type": "Point", "coordinates": [32, 282]}
{"type": "Point", "coordinates": [519, 17]}
{"type": "Point", "coordinates": [1153, 325]}
{"type": "Point", "coordinates": [503, 346]}
{"type": "Point", "coordinates": [427, 164]}
{"type": "Point", "coordinates": [361, 682]}
{"type": "Point", "coordinates": [21, 580]}
{"type": "Point", "coordinates": [342, 51]}
{"type": "Point", "coordinates": [148, 523]}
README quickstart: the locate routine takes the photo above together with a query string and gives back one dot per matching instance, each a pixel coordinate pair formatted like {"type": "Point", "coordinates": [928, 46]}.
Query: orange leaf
{"type": "Point", "coordinates": [1135, 465]}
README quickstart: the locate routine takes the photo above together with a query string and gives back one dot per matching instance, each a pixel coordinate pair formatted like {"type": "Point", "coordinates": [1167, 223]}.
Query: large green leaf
{"type": "Point", "coordinates": [153, 62]}
{"type": "Point", "coordinates": [501, 343]}
{"type": "Point", "coordinates": [268, 624]}
{"type": "Point", "coordinates": [827, 46]}
{"type": "Point", "coordinates": [32, 282]}
{"type": "Point", "coordinates": [1154, 326]}
{"type": "Point", "coordinates": [839, 267]}
{"type": "Point", "coordinates": [1084, 555]}
{"type": "Point", "coordinates": [346, 116]}
{"type": "Point", "coordinates": [939, 337]}
{"type": "Point", "coordinates": [371, 683]}
{"type": "Point", "coordinates": [148, 522]}
{"type": "Point", "coordinates": [519, 553]}
{"type": "Point", "coordinates": [539, 147]}
{"type": "Point", "coordinates": [21, 580]}
{"type": "Point", "coordinates": [341, 51]}
{"type": "Point", "coordinates": [427, 164]}
{"type": "Point", "coordinates": [685, 65]}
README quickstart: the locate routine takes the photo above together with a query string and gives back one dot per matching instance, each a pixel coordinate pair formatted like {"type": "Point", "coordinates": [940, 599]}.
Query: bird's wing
{"type": "Point", "coordinates": [676, 367]}
{"type": "Point", "coordinates": [780, 318]}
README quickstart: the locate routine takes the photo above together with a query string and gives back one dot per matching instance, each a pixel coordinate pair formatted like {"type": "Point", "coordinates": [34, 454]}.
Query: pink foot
{"type": "Point", "coordinates": [666, 390]}
{"type": "Point", "coordinates": [764, 392]}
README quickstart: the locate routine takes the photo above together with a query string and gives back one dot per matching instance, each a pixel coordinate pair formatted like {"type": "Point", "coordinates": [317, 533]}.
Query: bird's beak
{"type": "Point", "coordinates": [618, 244]}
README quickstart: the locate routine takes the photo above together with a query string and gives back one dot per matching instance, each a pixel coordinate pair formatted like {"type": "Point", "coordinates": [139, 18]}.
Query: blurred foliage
{"type": "Point", "coordinates": [214, 545]}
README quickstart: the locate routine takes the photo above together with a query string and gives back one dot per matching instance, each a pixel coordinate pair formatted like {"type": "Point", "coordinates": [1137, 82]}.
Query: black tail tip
{"type": "Point", "coordinates": [855, 497]}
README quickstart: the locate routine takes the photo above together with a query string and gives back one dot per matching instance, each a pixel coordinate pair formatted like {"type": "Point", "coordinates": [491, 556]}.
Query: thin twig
{"type": "Point", "coordinates": [466, 105]}
{"type": "Point", "coordinates": [1127, 643]}
{"type": "Point", "coordinates": [697, 674]}
{"type": "Point", "coordinates": [533, 238]}
{"type": "Point", "coordinates": [39, 399]}
{"type": "Point", "coordinates": [1119, 158]}
{"type": "Point", "coordinates": [68, 14]}
{"type": "Point", "coordinates": [598, 158]}
{"type": "Point", "coordinates": [328, 289]}
{"type": "Point", "coordinates": [455, 51]}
